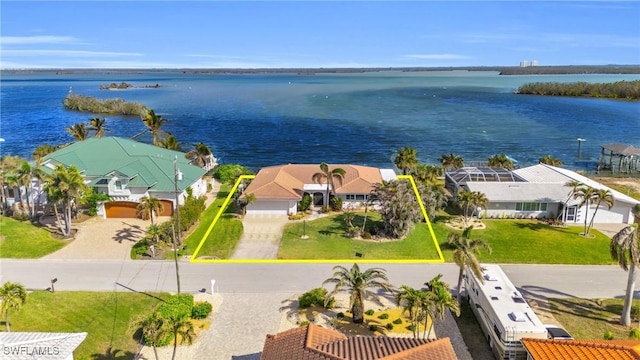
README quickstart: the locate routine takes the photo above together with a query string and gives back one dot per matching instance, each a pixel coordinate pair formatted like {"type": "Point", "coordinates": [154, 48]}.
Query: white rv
{"type": "Point", "coordinates": [503, 314]}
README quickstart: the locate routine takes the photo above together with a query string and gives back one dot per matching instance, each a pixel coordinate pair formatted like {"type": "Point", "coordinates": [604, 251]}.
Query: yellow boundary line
{"type": "Point", "coordinates": [319, 261]}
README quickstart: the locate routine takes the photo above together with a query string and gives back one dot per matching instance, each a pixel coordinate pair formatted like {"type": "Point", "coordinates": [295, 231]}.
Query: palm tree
{"type": "Point", "coordinates": [25, 179]}
{"type": "Point", "coordinates": [149, 206]}
{"type": "Point", "coordinates": [451, 162]}
{"type": "Point", "coordinates": [180, 327]}
{"type": "Point", "coordinates": [97, 125]}
{"type": "Point", "coordinates": [357, 283]}
{"type": "Point", "coordinates": [327, 176]}
{"type": "Point", "coordinates": [586, 194]}
{"type": "Point", "coordinates": [550, 160]}
{"type": "Point", "coordinates": [465, 252]}
{"type": "Point", "coordinates": [13, 296]}
{"type": "Point", "coordinates": [153, 123]}
{"type": "Point", "coordinates": [441, 300]}
{"type": "Point", "coordinates": [601, 196]}
{"type": "Point", "coordinates": [78, 131]}
{"type": "Point", "coordinates": [8, 177]}
{"type": "Point", "coordinates": [63, 187]}
{"type": "Point", "coordinates": [625, 249]}
{"type": "Point", "coordinates": [42, 151]}
{"type": "Point", "coordinates": [574, 185]}
{"type": "Point", "coordinates": [469, 201]}
{"type": "Point", "coordinates": [170, 142]}
{"type": "Point", "coordinates": [406, 160]}
{"type": "Point", "coordinates": [201, 155]}
{"type": "Point", "coordinates": [500, 161]}
{"type": "Point", "coordinates": [153, 331]}
{"type": "Point", "coordinates": [416, 303]}
{"type": "Point", "coordinates": [427, 174]}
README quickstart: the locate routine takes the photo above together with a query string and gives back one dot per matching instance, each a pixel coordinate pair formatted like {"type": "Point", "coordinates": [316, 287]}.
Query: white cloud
{"type": "Point", "coordinates": [43, 39]}
{"type": "Point", "coordinates": [66, 53]}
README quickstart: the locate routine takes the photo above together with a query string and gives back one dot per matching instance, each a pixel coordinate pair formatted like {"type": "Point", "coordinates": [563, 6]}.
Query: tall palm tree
{"type": "Point", "coordinates": [201, 155]}
{"type": "Point", "coordinates": [451, 161]}
{"type": "Point", "coordinates": [327, 176]}
{"type": "Point", "coordinates": [64, 186]}
{"type": "Point", "coordinates": [170, 142]}
{"type": "Point", "coordinates": [8, 177]}
{"type": "Point", "coordinates": [465, 254]}
{"type": "Point", "coordinates": [550, 160]}
{"type": "Point", "coordinates": [149, 207]}
{"type": "Point", "coordinates": [500, 161]}
{"type": "Point", "coordinates": [153, 123]}
{"type": "Point", "coordinates": [153, 331]}
{"type": "Point", "coordinates": [13, 296]}
{"type": "Point", "coordinates": [625, 249]}
{"type": "Point", "coordinates": [406, 160]}
{"type": "Point", "coordinates": [79, 131]}
{"type": "Point", "coordinates": [357, 283]}
{"type": "Point", "coordinates": [601, 196]}
{"type": "Point", "coordinates": [587, 195]}
{"type": "Point", "coordinates": [97, 125]}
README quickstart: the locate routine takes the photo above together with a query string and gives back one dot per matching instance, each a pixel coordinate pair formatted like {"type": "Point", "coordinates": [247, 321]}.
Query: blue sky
{"type": "Point", "coordinates": [269, 34]}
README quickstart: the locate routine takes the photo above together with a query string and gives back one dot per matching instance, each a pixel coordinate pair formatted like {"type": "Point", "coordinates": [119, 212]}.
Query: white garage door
{"type": "Point", "coordinates": [268, 207]}
{"type": "Point", "coordinates": [604, 215]}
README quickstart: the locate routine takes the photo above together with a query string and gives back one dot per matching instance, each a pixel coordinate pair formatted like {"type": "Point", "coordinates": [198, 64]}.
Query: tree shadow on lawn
{"type": "Point", "coordinates": [533, 225]}
{"type": "Point", "coordinates": [114, 354]}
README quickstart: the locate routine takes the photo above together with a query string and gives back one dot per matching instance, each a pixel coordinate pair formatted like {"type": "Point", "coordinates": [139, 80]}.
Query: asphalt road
{"type": "Point", "coordinates": [95, 275]}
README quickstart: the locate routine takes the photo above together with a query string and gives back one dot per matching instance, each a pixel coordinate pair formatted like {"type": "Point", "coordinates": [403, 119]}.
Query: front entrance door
{"type": "Point", "coordinates": [318, 199]}
{"type": "Point", "coordinates": [571, 214]}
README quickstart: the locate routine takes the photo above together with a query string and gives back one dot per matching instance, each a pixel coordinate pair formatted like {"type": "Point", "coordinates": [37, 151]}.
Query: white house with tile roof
{"type": "Point", "coordinates": [128, 170]}
{"type": "Point", "coordinates": [278, 189]}
{"type": "Point", "coordinates": [538, 191]}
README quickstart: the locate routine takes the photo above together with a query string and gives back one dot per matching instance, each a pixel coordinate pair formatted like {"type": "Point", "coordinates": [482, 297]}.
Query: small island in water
{"type": "Point", "coordinates": [123, 85]}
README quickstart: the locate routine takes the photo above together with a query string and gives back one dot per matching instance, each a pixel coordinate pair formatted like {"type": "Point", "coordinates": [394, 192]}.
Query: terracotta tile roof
{"type": "Point", "coordinates": [543, 349]}
{"type": "Point", "coordinates": [286, 182]}
{"type": "Point", "coordinates": [316, 343]}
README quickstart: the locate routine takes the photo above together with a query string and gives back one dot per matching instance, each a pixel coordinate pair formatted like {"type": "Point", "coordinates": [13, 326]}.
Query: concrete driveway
{"type": "Point", "coordinates": [261, 237]}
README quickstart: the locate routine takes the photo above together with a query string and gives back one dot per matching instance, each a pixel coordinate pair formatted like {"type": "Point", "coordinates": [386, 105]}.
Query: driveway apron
{"type": "Point", "coordinates": [260, 237]}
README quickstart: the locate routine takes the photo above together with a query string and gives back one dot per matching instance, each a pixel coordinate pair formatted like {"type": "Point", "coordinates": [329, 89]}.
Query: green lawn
{"type": "Point", "coordinates": [224, 236]}
{"type": "Point", "coordinates": [327, 241]}
{"type": "Point", "coordinates": [512, 241]}
{"type": "Point", "coordinates": [590, 319]}
{"type": "Point", "coordinates": [108, 318]}
{"type": "Point", "coordinates": [23, 240]}
{"type": "Point", "coordinates": [531, 242]}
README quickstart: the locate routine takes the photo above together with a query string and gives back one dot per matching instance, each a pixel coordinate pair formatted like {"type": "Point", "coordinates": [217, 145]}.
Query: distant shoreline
{"type": "Point", "coordinates": [502, 70]}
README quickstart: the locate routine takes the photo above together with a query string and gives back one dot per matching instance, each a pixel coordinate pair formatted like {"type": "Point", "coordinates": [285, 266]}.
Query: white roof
{"type": "Point", "coordinates": [509, 308]}
{"type": "Point", "coordinates": [521, 191]}
{"type": "Point", "coordinates": [39, 345]}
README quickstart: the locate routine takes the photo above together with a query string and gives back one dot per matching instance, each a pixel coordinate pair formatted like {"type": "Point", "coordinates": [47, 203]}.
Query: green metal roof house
{"type": "Point", "coordinates": [127, 170]}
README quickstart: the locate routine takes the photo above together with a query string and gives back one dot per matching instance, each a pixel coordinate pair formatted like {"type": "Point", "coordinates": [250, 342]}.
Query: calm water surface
{"type": "Point", "coordinates": [260, 120]}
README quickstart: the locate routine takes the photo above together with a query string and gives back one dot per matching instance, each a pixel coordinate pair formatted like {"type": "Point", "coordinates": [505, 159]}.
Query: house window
{"type": "Point", "coordinates": [118, 185]}
{"type": "Point", "coordinates": [350, 197]}
{"type": "Point", "coordinates": [361, 197]}
{"type": "Point", "coordinates": [531, 206]}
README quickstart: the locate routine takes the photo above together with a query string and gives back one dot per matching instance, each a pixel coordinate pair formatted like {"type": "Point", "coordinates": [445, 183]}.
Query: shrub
{"type": "Point", "coordinates": [325, 209]}
{"type": "Point", "coordinates": [397, 321]}
{"type": "Point", "coordinates": [383, 316]}
{"type": "Point", "coordinates": [305, 203]}
{"type": "Point", "coordinates": [411, 327]}
{"type": "Point", "coordinates": [229, 173]}
{"type": "Point", "coordinates": [340, 315]}
{"type": "Point", "coordinates": [608, 335]}
{"type": "Point", "coordinates": [304, 323]}
{"type": "Point", "coordinates": [634, 334]}
{"type": "Point", "coordinates": [297, 216]}
{"type": "Point", "coordinates": [366, 235]}
{"type": "Point", "coordinates": [389, 326]}
{"type": "Point", "coordinates": [178, 306]}
{"type": "Point", "coordinates": [316, 297]}
{"type": "Point", "coordinates": [369, 312]}
{"type": "Point", "coordinates": [201, 310]}
{"type": "Point", "coordinates": [336, 203]}
{"type": "Point", "coordinates": [140, 248]}
{"type": "Point", "coordinates": [373, 327]}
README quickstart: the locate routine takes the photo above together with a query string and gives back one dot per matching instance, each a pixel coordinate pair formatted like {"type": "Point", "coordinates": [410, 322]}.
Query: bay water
{"type": "Point", "coordinates": [361, 118]}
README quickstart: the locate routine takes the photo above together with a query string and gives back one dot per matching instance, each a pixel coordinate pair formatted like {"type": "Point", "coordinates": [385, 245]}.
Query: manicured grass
{"type": "Point", "coordinates": [108, 318]}
{"type": "Point", "coordinates": [327, 241]}
{"type": "Point", "coordinates": [532, 242]}
{"type": "Point", "coordinates": [23, 240]}
{"type": "Point", "coordinates": [590, 319]}
{"type": "Point", "coordinates": [224, 236]}
{"type": "Point", "coordinates": [512, 241]}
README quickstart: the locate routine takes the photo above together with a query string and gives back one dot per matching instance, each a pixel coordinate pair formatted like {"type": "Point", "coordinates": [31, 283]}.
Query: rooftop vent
{"type": "Point", "coordinates": [498, 287]}
{"type": "Point", "coordinates": [490, 277]}
{"type": "Point", "coordinates": [517, 316]}
{"type": "Point", "coordinates": [517, 299]}
{"type": "Point", "coordinates": [494, 298]}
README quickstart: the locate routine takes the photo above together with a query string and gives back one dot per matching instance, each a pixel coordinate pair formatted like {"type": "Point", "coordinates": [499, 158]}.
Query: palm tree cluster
{"type": "Point", "coordinates": [589, 196]}
{"type": "Point", "coordinates": [500, 161]}
{"type": "Point", "coordinates": [80, 131]}
{"type": "Point", "coordinates": [470, 201]}
{"type": "Point", "coordinates": [156, 328]}
{"type": "Point", "coordinates": [465, 254]}
{"type": "Point", "coordinates": [64, 186]}
{"type": "Point", "coordinates": [328, 177]}
{"type": "Point", "coordinates": [423, 306]}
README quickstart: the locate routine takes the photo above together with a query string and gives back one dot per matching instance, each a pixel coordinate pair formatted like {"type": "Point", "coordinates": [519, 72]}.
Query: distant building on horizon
{"type": "Point", "coordinates": [527, 63]}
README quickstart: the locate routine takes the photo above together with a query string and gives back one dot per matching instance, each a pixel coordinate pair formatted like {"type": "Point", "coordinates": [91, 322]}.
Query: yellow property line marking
{"type": "Point", "coordinates": [194, 258]}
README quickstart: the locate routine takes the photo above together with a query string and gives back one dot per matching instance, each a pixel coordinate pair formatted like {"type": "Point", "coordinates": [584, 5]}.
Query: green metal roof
{"type": "Point", "coordinates": [146, 165]}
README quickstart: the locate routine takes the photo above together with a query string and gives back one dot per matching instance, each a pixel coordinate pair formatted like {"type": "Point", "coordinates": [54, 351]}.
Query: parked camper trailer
{"type": "Point", "coordinates": [503, 314]}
